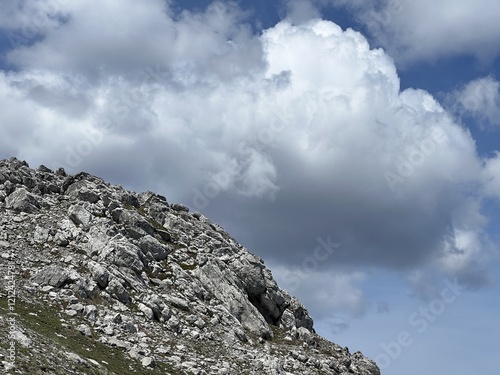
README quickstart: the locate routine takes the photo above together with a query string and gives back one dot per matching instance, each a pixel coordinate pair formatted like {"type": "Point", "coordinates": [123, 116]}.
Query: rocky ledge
{"type": "Point", "coordinates": [100, 280]}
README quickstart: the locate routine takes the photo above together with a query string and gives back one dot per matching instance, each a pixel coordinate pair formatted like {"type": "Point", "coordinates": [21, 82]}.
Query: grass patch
{"type": "Point", "coordinates": [280, 335]}
{"type": "Point", "coordinates": [128, 206]}
{"type": "Point", "coordinates": [156, 225]}
{"type": "Point", "coordinates": [43, 320]}
{"type": "Point", "coordinates": [187, 267]}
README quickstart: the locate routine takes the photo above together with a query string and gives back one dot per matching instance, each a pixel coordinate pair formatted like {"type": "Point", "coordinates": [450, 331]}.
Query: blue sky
{"type": "Point", "coordinates": [350, 144]}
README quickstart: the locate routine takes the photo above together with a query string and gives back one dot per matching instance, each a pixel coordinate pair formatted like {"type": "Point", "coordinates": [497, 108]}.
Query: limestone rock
{"type": "Point", "coordinates": [79, 215]}
{"type": "Point", "coordinates": [147, 311]}
{"type": "Point", "coordinates": [133, 273]}
{"type": "Point", "coordinates": [52, 275]}
{"type": "Point", "coordinates": [84, 330]}
{"type": "Point", "coordinates": [150, 245]}
{"type": "Point", "coordinates": [83, 190]}
{"type": "Point", "coordinates": [99, 274]}
{"type": "Point", "coordinates": [148, 362]}
{"type": "Point", "coordinates": [22, 201]}
{"type": "Point", "coordinates": [117, 290]}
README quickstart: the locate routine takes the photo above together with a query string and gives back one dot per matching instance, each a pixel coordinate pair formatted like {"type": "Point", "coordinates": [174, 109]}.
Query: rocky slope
{"type": "Point", "coordinates": [100, 280]}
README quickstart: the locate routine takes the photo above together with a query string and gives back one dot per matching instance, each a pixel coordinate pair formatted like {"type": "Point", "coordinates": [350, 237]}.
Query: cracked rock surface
{"type": "Point", "coordinates": [108, 281]}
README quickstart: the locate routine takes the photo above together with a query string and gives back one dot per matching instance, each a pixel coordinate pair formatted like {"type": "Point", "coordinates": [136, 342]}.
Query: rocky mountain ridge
{"type": "Point", "coordinates": [112, 282]}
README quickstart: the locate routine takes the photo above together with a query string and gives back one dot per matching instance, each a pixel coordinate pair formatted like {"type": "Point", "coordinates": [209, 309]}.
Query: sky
{"type": "Point", "coordinates": [353, 145]}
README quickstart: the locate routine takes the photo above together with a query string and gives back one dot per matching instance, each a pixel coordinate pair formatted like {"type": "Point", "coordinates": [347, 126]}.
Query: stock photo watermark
{"type": "Point", "coordinates": [479, 95]}
{"type": "Point", "coordinates": [419, 321]}
{"type": "Point", "coordinates": [314, 104]}
{"type": "Point", "coordinates": [310, 264]}
{"type": "Point", "coordinates": [10, 287]}
{"type": "Point", "coordinates": [121, 109]}
{"type": "Point", "coordinates": [376, 20]}
{"type": "Point", "coordinates": [221, 180]}
{"type": "Point", "coordinates": [413, 159]}
{"type": "Point", "coordinates": [34, 25]}
{"type": "Point", "coordinates": [415, 155]}
{"type": "Point", "coordinates": [480, 100]}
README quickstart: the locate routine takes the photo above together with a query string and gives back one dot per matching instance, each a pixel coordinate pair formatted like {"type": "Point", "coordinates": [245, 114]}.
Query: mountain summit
{"type": "Point", "coordinates": [100, 280]}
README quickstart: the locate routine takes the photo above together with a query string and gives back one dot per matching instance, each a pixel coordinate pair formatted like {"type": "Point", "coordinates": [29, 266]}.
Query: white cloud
{"type": "Point", "coordinates": [300, 11]}
{"type": "Point", "coordinates": [429, 30]}
{"type": "Point", "coordinates": [491, 176]}
{"type": "Point", "coordinates": [462, 246]}
{"type": "Point", "coordinates": [298, 133]}
{"type": "Point", "coordinates": [480, 99]}
{"type": "Point", "coordinates": [116, 37]}
{"type": "Point", "coordinates": [332, 294]}
{"type": "Point", "coordinates": [27, 19]}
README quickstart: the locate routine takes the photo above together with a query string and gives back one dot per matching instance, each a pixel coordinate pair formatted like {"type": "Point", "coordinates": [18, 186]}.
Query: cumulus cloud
{"type": "Point", "coordinates": [491, 176]}
{"type": "Point", "coordinates": [289, 138]}
{"type": "Point", "coordinates": [300, 11]}
{"type": "Point", "coordinates": [119, 37]}
{"type": "Point", "coordinates": [479, 99]}
{"type": "Point", "coordinates": [427, 30]}
{"type": "Point", "coordinates": [29, 19]}
{"type": "Point", "coordinates": [340, 293]}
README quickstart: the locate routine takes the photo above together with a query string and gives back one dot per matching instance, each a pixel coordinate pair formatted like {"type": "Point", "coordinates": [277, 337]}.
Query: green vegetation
{"type": "Point", "coordinates": [187, 267]}
{"type": "Point", "coordinates": [128, 206]}
{"type": "Point", "coordinates": [156, 225]}
{"type": "Point", "coordinates": [48, 328]}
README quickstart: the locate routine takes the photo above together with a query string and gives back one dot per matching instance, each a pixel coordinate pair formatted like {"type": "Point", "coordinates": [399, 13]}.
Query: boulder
{"type": "Point", "coordinates": [116, 290]}
{"type": "Point", "coordinates": [147, 311]}
{"type": "Point", "coordinates": [179, 207]}
{"type": "Point", "coordinates": [123, 254]}
{"type": "Point", "coordinates": [215, 277]}
{"type": "Point", "coordinates": [79, 215]}
{"type": "Point", "coordinates": [22, 201]}
{"type": "Point", "coordinates": [99, 274]}
{"type": "Point", "coordinates": [52, 275]}
{"type": "Point", "coordinates": [84, 191]}
{"type": "Point", "coordinates": [150, 245]}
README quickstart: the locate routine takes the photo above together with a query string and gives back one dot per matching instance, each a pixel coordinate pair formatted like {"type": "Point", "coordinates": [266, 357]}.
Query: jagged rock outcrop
{"type": "Point", "coordinates": [119, 282]}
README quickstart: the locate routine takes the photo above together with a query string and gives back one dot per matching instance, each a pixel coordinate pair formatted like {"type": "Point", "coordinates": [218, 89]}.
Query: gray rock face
{"type": "Point", "coordinates": [165, 287]}
{"type": "Point", "coordinates": [118, 291]}
{"type": "Point", "coordinates": [52, 275]}
{"type": "Point", "coordinates": [99, 274]}
{"type": "Point", "coordinates": [79, 215]}
{"type": "Point", "coordinates": [84, 191]}
{"type": "Point", "coordinates": [22, 201]}
{"type": "Point", "coordinates": [227, 288]}
{"type": "Point", "coordinates": [151, 246]}
{"type": "Point", "coordinates": [123, 254]}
